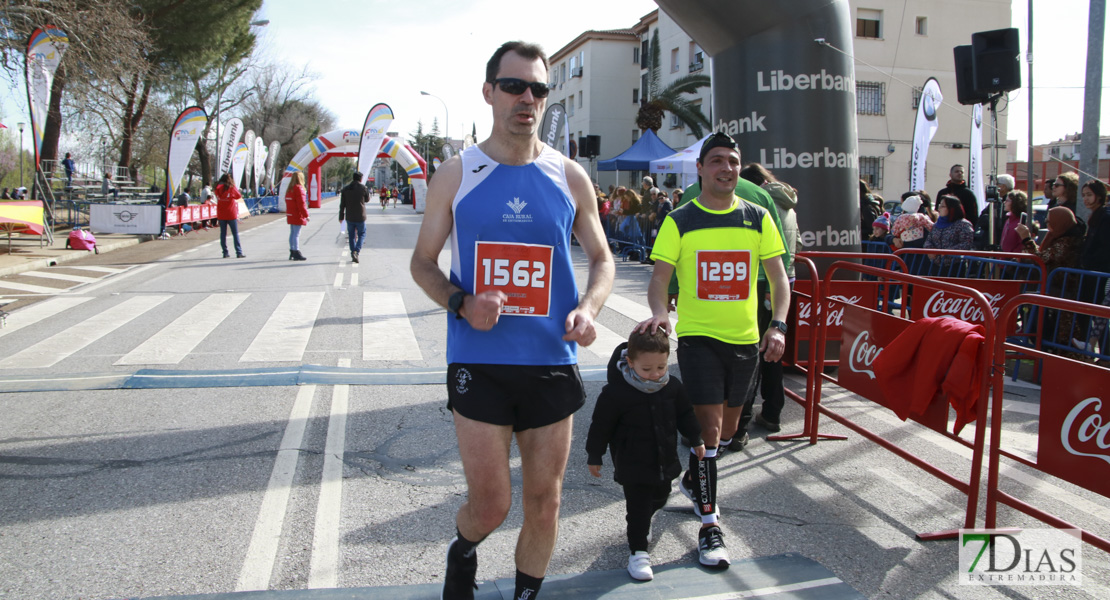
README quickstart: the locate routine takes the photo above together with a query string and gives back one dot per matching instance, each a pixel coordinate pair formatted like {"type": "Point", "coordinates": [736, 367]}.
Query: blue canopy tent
{"type": "Point", "coordinates": [638, 157]}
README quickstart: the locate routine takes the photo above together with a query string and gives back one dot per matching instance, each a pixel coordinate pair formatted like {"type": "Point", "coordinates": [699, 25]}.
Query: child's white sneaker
{"type": "Point", "coordinates": [639, 566]}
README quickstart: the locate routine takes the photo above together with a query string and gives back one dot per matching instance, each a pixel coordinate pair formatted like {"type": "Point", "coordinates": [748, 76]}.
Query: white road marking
{"type": "Point", "coordinates": [386, 331]}
{"type": "Point", "coordinates": [606, 341]}
{"type": "Point", "coordinates": [258, 566]}
{"type": "Point", "coordinates": [56, 348]}
{"type": "Point", "coordinates": [113, 280]}
{"type": "Point", "coordinates": [323, 570]}
{"type": "Point", "coordinates": [42, 310]}
{"type": "Point", "coordinates": [109, 270]}
{"type": "Point", "coordinates": [171, 345]}
{"type": "Point", "coordinates": [338, 279]}
{"type": "Point", "coordinates": [634, 310]}
{"type": "Point", "coordinates": [26, 287]}
{"type": "Point", "coordinates": [354, 279]}
{"type": "Point", "coordinates": [61, 276]}
{"type": "Point", "coordinates": [770, 590]}
{"type": "Point", "coordinates": [285, 335]}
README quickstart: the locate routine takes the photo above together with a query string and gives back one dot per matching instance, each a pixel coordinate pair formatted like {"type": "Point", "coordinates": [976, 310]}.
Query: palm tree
{"type": "Point", "coordinates": [655, 101]}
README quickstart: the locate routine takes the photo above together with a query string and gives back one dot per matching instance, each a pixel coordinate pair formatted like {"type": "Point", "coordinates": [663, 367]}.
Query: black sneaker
{"type": "Point", "coordinates": [738, 443]}
{"type": "Point", "coordinates": [458, 582]}
{"type": "Point", "coordinates": [768, 425]}
{"type": "Point", "coordinates": [687, 489]}
{"type": "Point", "coordinates": [354, 257]}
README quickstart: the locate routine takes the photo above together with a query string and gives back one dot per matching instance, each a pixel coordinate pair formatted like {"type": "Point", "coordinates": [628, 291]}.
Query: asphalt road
{"type": "Point", "coordinates": [238, 478]}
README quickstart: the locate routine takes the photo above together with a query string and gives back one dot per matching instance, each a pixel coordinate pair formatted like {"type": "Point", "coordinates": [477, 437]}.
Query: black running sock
{"type": "Point", "coordinates": [464, 546]}
{"type": "Point", "coordinates": [704, 472]}
{"type": "Point", "coordinates": [527, 587]}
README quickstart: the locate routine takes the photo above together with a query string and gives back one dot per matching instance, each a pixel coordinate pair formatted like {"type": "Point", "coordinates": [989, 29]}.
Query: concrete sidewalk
{"type": "Point", "coordinates": [27, 254]}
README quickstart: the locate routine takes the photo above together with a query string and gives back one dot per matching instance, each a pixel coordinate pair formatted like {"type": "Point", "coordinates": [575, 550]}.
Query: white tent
{"type": "Point", "coordinates": [683, 163]}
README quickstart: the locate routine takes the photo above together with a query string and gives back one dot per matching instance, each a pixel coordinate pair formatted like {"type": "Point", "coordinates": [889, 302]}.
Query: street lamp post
{"type": "Point", "coordinates": [446, 115]}
{"type": "Point", "coordinates": [20, 125]}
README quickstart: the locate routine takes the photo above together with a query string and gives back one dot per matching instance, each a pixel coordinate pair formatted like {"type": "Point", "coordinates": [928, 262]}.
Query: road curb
{"type": "Point", "coordinates": [68, 256]}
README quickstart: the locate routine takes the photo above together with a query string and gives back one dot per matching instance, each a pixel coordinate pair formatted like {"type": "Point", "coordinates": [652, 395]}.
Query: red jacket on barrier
{"type": "Point", "coordinates": [227, 202]}
{"type": "Point", "coordinates": [296, 206]}
{"type": "Point", "coordinates": [933, 354]}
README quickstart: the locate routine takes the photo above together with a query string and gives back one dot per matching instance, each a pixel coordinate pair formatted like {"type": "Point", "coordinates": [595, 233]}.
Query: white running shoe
{"type": "Point", "coordinates": [639, 566]}
{"type": "Point", "coordinates": [711, 548]}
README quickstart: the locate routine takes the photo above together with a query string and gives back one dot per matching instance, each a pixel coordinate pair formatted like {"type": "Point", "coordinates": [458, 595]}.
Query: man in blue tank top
{"type": "Point", "coordinates": [509, 206]}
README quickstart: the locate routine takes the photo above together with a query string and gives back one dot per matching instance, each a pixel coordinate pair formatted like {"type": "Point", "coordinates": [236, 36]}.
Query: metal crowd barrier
{"type": "Point", "coordinates": [865, 328]}
{"type": "Point", "coordinates": [1073, 427]}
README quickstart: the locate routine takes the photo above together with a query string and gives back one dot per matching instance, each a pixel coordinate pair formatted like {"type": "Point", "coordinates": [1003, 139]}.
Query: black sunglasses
{"type": "Point", "coordinates": [516, 87]}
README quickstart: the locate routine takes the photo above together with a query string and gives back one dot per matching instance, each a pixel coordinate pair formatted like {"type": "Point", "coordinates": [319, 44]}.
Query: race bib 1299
{"type": "Point", "coordinates": [521, 271]}
{"type": "Point", "coordinates": [723, 275]}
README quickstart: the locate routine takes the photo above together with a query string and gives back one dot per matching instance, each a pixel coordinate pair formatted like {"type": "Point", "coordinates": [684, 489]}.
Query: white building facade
{"type": "Point", "coordinates": [898, 45]}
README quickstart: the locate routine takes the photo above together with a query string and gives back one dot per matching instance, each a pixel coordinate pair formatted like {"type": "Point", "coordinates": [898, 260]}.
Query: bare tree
{"type": "Point", "coordinates": [280, 107]}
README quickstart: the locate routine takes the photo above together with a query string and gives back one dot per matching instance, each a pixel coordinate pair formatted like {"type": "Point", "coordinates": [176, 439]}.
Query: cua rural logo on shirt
{"type": "Point", "coordinates": [516, 205]}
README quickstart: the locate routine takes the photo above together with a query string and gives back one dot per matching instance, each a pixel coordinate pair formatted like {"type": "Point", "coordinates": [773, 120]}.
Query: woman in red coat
{"type": "Point", "coordinates": [227, 213]}
{"type": "Point", "coordinates": [296, 214]}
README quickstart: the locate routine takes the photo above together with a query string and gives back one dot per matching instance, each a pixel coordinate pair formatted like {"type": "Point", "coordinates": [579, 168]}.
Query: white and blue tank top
{"type": "Point", "coordinates": [512, 230]}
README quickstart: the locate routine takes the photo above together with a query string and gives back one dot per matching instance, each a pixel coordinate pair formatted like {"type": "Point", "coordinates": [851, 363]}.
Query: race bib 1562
{"type": "Point", "coordinates": [522, 271]}
{"type": "Point", "coordinates": [723, 275]}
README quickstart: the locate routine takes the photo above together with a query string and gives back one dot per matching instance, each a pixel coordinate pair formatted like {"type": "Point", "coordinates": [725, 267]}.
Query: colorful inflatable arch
{"type": "Point", "coordinates": [344, 142]}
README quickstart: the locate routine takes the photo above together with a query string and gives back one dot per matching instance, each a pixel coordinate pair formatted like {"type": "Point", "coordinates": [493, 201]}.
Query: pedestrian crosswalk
{"type": "Point", "coordinates": [177, 329]}
{"type": "Point", "coordinates": [54, 282]}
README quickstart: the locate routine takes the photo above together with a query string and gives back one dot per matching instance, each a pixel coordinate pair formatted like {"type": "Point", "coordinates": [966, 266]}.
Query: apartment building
{"type": "Point", "coordinates": [898, 45]}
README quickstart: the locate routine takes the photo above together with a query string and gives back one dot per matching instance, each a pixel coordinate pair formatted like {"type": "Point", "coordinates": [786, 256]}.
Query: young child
{"type": "Point", "coordinates": [636, 416]}
{"type": "Point", "coordinates": [880, 228]}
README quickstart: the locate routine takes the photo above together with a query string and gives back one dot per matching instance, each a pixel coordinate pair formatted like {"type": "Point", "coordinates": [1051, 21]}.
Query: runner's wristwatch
{"type": "Point", "coordinates": [455, 303]}
{"type": "Point", "coordinates": [780, 325]}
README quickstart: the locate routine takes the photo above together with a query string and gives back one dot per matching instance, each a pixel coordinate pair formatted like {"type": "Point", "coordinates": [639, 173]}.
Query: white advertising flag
{"type": "Point", "coordinates": [229, 141]}
{"type": "Point", "coordinates": [373, 133]}
{"type": "Point", "coordinates": [188, 128]}
{"type": "Point", "coordinates": [45, 48]}
{"type": "Point", "coordinates": [239, 163]}
{"type": "Point", "coordinates": [975, 161]}
{"type": "Point", "coordinates": [924, 131]}
{"type": "Point", "coordinates": [259, 160]}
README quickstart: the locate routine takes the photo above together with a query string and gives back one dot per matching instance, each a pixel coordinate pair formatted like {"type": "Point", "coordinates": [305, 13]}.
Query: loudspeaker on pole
{"type": "Point", "coordinates": [995, 66]}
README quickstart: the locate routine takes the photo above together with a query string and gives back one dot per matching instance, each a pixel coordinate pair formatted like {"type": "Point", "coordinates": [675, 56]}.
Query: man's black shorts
{"type": "Point", "coordinates": [714, 371]}
{"type": "Point", "coordinates": [523, 396]}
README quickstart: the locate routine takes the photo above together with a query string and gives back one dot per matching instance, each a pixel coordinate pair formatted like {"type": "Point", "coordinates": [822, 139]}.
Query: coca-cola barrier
{"type": "Point", "coordinates": [865, 332]}
{"type": "Point", "coordinates": [864, 293]}
{"type": "Point", "coordinates": [1073, 437]}
{"type": "Point", "coordinates": [998, 275]}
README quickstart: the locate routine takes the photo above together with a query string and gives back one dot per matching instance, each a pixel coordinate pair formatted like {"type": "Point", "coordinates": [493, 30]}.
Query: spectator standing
{"type": "Point", "coordinates": [771, 386]}
{"type": "Point", "coordinates": [67, 163]}
{"type": "Point", "coordinates": [1065, 192]}
{"type": "Point", "coordinates": [227, 213]}
{"type": "Point", "coordinates": [957, 186]}
{"type": "Point", "coordinates": [296, 214]}
{"type": "Point", "coordinates": [1015, 205]}
{"type": "Point", "coordinates": [867, 210]}
{"type": "Point", "coordinates": [1096, 247]}
{"type": "Point", "coordinates": [636, 417]}
{"type": "Point", "coordinates": [1061, 247]}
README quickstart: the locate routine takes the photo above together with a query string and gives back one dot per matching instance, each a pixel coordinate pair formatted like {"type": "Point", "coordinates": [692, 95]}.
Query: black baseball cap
{"type": "Point", "coordinates": [719, 139]}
